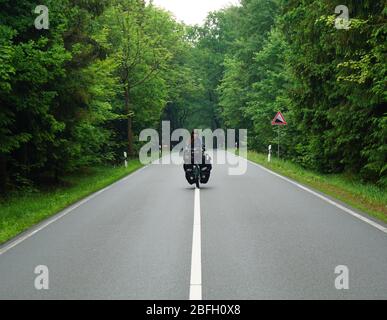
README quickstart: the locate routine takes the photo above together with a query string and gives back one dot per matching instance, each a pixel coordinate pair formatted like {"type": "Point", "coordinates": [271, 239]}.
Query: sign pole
{"type": "Point", "coordinates": [279, 141]}
{"type": "Point", "coordinates": [279, 121]}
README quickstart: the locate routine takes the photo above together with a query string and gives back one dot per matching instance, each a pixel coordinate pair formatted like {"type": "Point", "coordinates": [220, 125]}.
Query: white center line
{"type": "Point", "coordinates": [196, 262]}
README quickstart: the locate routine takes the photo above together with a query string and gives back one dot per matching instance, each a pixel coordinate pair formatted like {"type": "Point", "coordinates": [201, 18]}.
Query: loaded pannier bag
{"type": "Point", "coordinates": [205, 167]}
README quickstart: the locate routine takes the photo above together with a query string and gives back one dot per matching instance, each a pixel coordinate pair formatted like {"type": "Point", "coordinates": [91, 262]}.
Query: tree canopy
{"type": "Point", "coordinates": [79, 93]}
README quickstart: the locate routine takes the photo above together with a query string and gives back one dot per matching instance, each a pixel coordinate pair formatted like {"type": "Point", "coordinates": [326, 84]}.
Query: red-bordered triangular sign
{"type": "Point", "coordinates": [279, 120]}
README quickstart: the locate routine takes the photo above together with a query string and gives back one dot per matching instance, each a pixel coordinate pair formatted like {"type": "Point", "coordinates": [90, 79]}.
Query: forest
{"type": "Point", "coordinates": [78, 93]}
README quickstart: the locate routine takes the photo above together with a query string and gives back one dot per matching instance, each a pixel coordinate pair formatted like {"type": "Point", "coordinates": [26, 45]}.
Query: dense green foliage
{"type": "Point", "coordinates": [79, 93]}
{"type": "Point", "coordinates": [329, 83]}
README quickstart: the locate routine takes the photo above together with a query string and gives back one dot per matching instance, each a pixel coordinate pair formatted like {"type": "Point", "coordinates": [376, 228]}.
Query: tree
{"type": "Point", "coordinates": [141, 39]}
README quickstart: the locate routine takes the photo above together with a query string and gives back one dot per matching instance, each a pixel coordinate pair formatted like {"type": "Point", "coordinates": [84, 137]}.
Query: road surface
{"type": "Point", "coordinates": [152, 236]}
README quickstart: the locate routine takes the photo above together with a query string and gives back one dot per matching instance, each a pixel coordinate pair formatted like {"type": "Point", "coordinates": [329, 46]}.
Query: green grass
{"type": "Point", "coordinates": [366, 197]}
{"type": "Point", "coordinates": [20, 212]}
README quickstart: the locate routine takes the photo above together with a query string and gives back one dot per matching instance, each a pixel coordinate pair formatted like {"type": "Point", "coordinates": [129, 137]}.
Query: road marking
{"type": "Point", "coordinates": [337, 205]}
{"type": "Point", "coordinates": [196, 262]}
{"type": "Point", "coordinates": [34, 230]}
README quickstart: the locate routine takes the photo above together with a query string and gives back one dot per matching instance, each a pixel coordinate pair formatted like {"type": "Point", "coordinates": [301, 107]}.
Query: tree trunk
{"type": "Point", "coordinates": [130, 128]}
{"type": "Point", "coordinates": [3, 173]}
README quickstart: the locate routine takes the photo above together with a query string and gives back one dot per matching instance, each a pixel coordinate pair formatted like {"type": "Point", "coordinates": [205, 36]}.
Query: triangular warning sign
{"type": "Point", "coordinates": [279, 120]}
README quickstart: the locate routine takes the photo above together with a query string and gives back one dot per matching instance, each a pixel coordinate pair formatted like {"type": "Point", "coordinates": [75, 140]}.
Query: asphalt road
{"type": "Point", "coordinates": [260, 238]}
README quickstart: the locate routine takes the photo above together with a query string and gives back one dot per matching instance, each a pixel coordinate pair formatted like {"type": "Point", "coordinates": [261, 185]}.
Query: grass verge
{"type": "Point", "coordinates": [368, 198]}
{"type": "Point", "coordinates": [20, 212]}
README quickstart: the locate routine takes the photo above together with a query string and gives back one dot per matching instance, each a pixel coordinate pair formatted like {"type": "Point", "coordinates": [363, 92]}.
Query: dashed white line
{"type": "Point", "coordinates": [196, 262]}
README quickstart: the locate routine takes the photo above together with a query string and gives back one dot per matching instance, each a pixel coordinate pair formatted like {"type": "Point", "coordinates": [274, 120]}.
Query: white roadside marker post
{"type": "Point", "coordinates": [269, 155]}
{"type": "Point", "coordinates": [126, 159]}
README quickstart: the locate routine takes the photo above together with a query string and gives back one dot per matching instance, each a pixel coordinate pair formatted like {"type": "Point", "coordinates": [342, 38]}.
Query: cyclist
{"type": "Point", "coordinates": [194, 157]}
